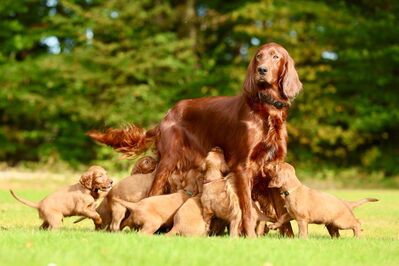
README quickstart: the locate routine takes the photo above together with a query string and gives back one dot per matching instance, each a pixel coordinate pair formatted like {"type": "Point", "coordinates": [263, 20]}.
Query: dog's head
{"type": "Point", "coordinates": [144, 165]}
{"type": "Point", "coordinates": [272, 71]}
{"type": "Point", "coordinates": [280, 173]}
{"type": "Point", "coordinates": [96, 179]}
{"type": "Point", "coordinates": [215, 160]}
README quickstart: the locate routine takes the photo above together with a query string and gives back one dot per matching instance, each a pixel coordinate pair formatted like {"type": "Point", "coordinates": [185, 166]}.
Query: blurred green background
{"type": "Point", "coordinates": [70, 66]}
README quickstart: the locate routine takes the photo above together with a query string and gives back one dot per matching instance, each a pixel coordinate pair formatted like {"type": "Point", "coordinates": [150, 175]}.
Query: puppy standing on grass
{"type": "Point", "coordinates": [188, 220]}
{"type": "Point", "coordinates": [78, 199]}
{"type": "Point", "coordinates": [151, 213]}
{"type": "Point", "coordinates": [219, 197]}
{"type": "Point", "coordinates": [307, 205]}
{"type": "Point", "coordinates": [132, 188]}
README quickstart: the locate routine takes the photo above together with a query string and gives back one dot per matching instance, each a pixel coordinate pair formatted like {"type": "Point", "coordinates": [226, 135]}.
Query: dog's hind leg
{"type": "Point", "coordinates": [333, 230]}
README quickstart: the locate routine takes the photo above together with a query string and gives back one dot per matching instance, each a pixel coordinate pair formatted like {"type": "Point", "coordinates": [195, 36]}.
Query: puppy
{"type": "Point", "coordinates": [307, 205]}
{"type": "Point", "coordinates": [219, 197]}
{"type": "Point", "coordinates": [151, 213]}
{"type": "Point", "coordinates": [78, 199]}
{"type": "Point", "coordinates": [132, 188]}
{"type": "Point", "coordinates": [144, 165]}
{"type": "Point", "coordinates": [188, 220]}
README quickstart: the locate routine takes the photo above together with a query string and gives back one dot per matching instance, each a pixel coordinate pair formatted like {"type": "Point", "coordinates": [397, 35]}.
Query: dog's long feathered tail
{"type": "Point", "coordinates": [130, 141]}
{"type": "Point", "coordinates": [24, 201]}
{"type": "Point", "coordinates": [354, 204]}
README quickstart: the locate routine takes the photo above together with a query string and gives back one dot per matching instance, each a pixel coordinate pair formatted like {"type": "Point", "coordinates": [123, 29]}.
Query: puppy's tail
{"type": "Point", "coordinates": [24, 201]}
{"type": "Point", "coordinates": [130, 141]}
{"type": "Point", "coordinates": [130, 205]}
{"type": "Point", "coordinates": [355, 204]}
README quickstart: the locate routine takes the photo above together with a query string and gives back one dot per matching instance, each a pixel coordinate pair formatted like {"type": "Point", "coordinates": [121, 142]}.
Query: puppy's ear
{"type": "Point", "coordinates": [86, 180]}
{"type": "Point", "coordinates": [289, 80]}
{"type": "Point", "coordinates": [202, 167]}
{"type": "Point", "coordinates": [224, 168]}
{"type": "Point", "coordinates": [275, 182]}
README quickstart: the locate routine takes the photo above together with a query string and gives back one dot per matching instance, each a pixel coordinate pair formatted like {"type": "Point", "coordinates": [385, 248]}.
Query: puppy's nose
{"type": "Point", "coordinates": [262, 70]}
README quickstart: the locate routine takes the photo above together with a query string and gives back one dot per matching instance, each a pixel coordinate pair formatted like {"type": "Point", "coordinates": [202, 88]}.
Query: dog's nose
{"type": "Point", "coordinates": [262, 70]}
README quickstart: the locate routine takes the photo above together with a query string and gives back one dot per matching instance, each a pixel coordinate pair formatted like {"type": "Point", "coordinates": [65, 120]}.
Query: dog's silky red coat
{"type": "Point", "coordinates": [250, 128]}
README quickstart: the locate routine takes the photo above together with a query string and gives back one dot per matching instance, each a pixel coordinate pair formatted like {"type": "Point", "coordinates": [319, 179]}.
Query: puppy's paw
{"type": "Point", "coordinates": [98, 221]}
{"type": "Point", "coordinates": [273, 226]}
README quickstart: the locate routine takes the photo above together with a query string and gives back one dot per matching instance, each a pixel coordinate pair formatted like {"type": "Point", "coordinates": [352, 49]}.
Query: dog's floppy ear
{"type": "Point", "coordinates": [289, 80]}
{"type": "Point", "coordinates": [86, 180]}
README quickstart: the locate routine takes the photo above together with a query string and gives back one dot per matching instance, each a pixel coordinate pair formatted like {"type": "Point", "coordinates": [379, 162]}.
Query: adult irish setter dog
{"type": "Point", "coordinates": [250, 128]}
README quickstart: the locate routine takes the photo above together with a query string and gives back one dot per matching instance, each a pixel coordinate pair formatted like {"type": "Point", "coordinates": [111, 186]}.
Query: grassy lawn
{"type": "Point", "coordinates": [21, 243]}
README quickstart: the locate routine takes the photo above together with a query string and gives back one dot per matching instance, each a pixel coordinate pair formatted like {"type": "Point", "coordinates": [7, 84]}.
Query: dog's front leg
{"type": "Point", "coordinates": [303, 229]}
{"type": "Point", "coordinates": [244, 187]}
{"type": "Point", "coordinates": [163, 171]}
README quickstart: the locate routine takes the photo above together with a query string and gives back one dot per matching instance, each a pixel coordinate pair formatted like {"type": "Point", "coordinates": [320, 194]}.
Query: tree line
{"type": "Point", "coordinates": [68, 66]}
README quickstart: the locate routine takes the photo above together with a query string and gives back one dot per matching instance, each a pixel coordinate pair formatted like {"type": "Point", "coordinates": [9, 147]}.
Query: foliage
{"type": "Point", "coordinates": [72, 65]}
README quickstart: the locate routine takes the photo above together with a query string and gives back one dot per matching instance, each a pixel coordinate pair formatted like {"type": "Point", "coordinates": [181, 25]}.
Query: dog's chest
{"type": "Point", "coordinates": [271, 145]}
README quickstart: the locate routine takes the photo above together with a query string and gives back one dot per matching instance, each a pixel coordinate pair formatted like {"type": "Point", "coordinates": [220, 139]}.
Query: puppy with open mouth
{"type": "Point", "coordinates": [77, 199]}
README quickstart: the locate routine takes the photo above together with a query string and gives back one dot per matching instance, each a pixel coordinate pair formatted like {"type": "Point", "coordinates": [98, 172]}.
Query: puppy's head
{"type": "Point", "coordinates": [96, 179]}
{"type": "Point", "coordinates": [280, 173]}
{"type": "Point", "coordinates": [215, 160]}
{"type": "Point", "coordinates": [144, 165]}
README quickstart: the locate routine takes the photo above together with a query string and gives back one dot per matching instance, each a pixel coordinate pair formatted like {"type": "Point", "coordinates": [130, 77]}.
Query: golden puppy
{"type": "Point", "coordinates": [188, 220]}
{"type": "Point", "coordinates": [78, 199]}
{"type": "Point", "coordinates": [151, 213]}
{"type": "Point", "coordinates": [144, 165]}
{"type": "Point", "coordinates": [307, 205]}
{"type": "Point", "coordinates": [132, 188]}
{"type": "Point", "coordinates": [219, 197]}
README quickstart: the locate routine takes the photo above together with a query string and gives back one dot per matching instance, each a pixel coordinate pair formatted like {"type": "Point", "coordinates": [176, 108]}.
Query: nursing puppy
{"type": "Point", "coordinates": [151, 213]}
{"type": "Point", "coordinates": [188, 221]}
{"type": "Point", "coordinates": [306, 205]}
{"type": "Point", "coordinates": [144, 165]}
{"type": "Point", "coordinates": [219, 194]}
{"type": "Point", "coordinates": [78, 199]}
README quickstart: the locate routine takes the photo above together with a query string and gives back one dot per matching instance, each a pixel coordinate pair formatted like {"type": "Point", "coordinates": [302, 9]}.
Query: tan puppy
{"type": "Point", "coordinates": [144, 165]}
{"type": "Point", "coordinates": [219, 197]}
{"type": "Point", "coordinates": [132, 188]}
{"type": "Point", "coordinates": [78, 199]}
{"type": "Point", "coordinates": [151, 213]}
{"type": "Point", "coordinates": [188, 220]}
{"type": "Point", "coordinates": [135, 188]}
{"type": "Point", "coordinates": [307, 205]}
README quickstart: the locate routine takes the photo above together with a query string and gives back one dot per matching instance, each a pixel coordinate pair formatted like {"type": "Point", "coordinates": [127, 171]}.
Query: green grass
{"type": "Point", "coordinates": [21, 243]}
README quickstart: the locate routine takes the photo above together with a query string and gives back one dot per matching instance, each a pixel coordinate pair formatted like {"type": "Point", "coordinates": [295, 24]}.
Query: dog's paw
{"type": "Point", "coordinates": [273, 226]}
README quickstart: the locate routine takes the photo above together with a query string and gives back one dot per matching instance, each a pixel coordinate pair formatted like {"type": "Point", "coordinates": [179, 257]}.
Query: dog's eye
{"type": "Point", "coordinates": [275, 57]}
{"type": "Point", "coordinates": [259, 56]}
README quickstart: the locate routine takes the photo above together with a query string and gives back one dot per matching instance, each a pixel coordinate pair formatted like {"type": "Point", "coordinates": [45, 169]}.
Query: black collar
{"type": "Point", "coordinates": [266, 98]}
